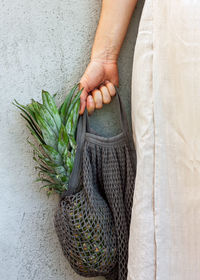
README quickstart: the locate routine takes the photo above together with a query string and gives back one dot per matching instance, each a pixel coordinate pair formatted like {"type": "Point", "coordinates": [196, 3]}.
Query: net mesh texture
{"type": "Point", "coordinates": [93, 222]}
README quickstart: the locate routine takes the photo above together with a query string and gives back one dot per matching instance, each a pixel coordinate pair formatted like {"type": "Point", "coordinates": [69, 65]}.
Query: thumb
{"type": "Point", "coordinates": [83, 98]}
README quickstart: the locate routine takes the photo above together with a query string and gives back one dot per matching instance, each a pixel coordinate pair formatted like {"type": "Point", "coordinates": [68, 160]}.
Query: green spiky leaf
{"type": "Point", "coordinates": [54, 130]}
{"type": "Point", "coordinates": [76, 98]}
{"type": "Point", "coordinates": [65, 106]}
{"type": "Point", "coordinates": [49, 102]}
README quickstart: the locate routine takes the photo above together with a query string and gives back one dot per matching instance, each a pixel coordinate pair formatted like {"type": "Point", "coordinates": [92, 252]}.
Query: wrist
{"type": "Point", "coordinates": [104, 54]}
{"type": "Point", "coordinates": [103, 60]}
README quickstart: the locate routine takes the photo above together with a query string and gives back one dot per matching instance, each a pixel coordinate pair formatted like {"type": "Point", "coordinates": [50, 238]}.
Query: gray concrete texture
{"type": "Point", "coordinates": [44, 44]}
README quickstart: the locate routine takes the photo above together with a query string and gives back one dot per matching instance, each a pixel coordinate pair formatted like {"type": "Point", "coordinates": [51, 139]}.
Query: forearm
{"type": "Point", "coordinates": [113, 24]}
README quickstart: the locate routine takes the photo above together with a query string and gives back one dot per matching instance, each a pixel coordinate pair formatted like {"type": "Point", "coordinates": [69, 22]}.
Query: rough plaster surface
{"type": "Point", "coordinates": [44, 44]}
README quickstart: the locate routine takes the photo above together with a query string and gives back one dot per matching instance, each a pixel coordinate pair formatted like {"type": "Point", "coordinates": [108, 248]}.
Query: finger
{"type": "Point", "coordinates": [97, 96]}
{"type": "Point", "coordinates": [110, 87]}
{"type": "Point", "coordinates": [83, 98]}
{"type": "Point", "coordinates": [82, 107]}
{"type": "Point", "coordinates": [90, 104]}
{"type": "Point", "coordinates": [105, 94]}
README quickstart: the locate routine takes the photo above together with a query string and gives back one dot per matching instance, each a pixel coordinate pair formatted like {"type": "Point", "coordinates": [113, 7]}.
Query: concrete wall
{"type": "Point", "coordinates": [44, 44]}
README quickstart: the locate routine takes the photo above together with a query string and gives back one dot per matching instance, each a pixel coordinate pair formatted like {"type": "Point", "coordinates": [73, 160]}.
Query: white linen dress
{"type": "Point", "coordinates": [164, 239]}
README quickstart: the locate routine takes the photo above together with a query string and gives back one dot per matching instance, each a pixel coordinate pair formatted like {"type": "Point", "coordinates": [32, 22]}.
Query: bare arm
{"type": "Point", "coordinates": [113, 24]}
{"type": "Point", "coordinates": [102, 72]}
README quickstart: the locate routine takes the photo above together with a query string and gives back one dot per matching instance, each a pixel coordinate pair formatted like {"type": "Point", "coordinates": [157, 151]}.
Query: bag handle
{"type": "Point", "coordinates": [82, 128]}
{"type": "Point", "coordinates": [76, 170]}
{"type": "Point", "coordinates": [123, 117]}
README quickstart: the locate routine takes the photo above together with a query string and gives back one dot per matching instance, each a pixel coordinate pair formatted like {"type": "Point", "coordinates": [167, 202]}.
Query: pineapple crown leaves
{"type": "Point", "coordinates": [54, 130]}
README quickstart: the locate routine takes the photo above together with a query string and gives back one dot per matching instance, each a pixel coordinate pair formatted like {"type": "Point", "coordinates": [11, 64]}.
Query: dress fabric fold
{"type": "Point", "coordinates": [164, 241]}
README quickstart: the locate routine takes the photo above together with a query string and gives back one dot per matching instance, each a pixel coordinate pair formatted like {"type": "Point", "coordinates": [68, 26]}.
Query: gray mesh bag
{"type": "Point", "coordinates": [93, 218]}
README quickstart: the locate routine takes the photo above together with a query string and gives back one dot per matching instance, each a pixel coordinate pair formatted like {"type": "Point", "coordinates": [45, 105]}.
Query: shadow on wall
{"type": "Point", "coordinates": [44, 45]}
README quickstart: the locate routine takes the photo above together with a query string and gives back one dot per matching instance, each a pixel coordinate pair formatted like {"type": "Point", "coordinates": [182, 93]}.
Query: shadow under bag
{"type": "Point", "coordinates": [93, 218]}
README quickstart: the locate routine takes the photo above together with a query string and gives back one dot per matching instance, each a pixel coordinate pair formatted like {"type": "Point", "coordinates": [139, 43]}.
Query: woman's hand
{"type": "Point", "coordinates": [102, 73]}
{"type": "Point", "coordinates": [98, 82]}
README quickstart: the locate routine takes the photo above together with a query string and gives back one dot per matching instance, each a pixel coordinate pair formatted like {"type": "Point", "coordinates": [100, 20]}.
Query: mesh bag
{"type": "Point", "coordinates": [93, 218]}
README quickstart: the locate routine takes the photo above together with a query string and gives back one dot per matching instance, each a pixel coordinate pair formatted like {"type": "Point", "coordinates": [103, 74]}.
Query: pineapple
{"type": "Point", "coordinates": [54, 130]}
